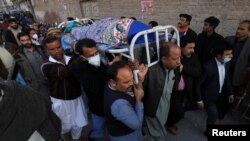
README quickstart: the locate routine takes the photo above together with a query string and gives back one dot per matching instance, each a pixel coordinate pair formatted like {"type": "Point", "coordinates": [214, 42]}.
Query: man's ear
{"type": "Point", "coordinates": [112, 83]}
{"type": "Point", "coordinates": [163, 58]}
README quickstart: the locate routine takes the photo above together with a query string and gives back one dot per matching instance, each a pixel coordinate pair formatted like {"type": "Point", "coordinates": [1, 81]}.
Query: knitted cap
{"type": "Point", "coordinates": [53, 30]}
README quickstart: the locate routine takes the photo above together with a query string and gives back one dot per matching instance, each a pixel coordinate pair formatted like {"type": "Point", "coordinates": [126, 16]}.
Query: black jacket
{"type": "Point", "coordinates": [61, 80]}
{"type": "Point", "coordinates": [191, 70]}
{"type": "Point", "coordinates": [93, 80]}
{"type": "Point", "coordinates": [9, 37]}
{"type": "Point", "coordinates": [153, 87]}
{"type": "Point", "coordinates": [22, 111]}
{"type": "Point", "coordinates": [208, 85]}
{"type": "Point", "coordinates": [205, 46]}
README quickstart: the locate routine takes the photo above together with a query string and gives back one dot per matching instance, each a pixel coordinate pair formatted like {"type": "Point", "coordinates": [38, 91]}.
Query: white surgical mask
{"type": "Point", "coordinates": [226, 59]}
{"type": "Point", "coordinates": [95, 60]}
{"type": "Point", "coordinates": [35, 37]}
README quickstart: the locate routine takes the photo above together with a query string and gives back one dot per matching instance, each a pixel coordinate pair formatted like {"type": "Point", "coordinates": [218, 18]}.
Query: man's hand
{"type": "Point", "coordinates": [139, 93]}
{"type": "Point", "coordinates": [143, 69]}
{"type": "Point", "coordinates": [181, 68]}
{"type": "Point", "coordinates": [116, 58]}
{"type": "Point", "coordinates": [231, 99]}
{"type": "Point", "coordinates": [200, 104]}
{"type": "Point", "coordinates": [134, 64]}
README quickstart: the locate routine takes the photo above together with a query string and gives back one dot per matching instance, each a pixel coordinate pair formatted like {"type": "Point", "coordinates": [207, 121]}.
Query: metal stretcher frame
{"type": "Point", "coordinates": [157, 31]}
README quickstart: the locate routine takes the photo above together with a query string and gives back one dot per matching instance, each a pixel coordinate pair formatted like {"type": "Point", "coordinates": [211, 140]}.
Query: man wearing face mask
{"type": "Point", "coordinates": [214, 89]}
{"type": "Point", "coordinates": [28, 60]}
{"type": "Point", "coordinates": [34, 36]}
{"type": "Point", "coordinates": [91, 73]}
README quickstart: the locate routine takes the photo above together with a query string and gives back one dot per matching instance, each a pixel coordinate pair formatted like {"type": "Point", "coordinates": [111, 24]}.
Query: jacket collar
{"type": "Point", "coordinates": [66, 58]}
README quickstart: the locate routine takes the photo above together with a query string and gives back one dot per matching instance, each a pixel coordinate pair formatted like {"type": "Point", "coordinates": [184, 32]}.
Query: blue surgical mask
{"type": "Point", "coordinates": [226, 59]}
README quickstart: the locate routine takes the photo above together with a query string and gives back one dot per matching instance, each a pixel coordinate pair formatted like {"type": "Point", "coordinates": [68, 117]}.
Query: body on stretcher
{"type": "Point", "coordinates": [123, 36]}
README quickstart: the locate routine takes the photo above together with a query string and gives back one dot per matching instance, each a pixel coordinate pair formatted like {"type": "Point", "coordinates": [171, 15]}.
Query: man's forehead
{"type": "Point", "coordinates": [246, 25]}
{"type": "Point", "coordinates": [124, 73]}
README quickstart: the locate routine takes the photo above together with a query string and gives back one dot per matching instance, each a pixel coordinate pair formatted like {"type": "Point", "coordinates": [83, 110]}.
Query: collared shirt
{"type": "Point", "coordinates": [221, 69]}
{"type": "Point", "coordinates": [165, 98]}
{"type": "Point", "coordinates": [66, 58]}
{"type": "Point", "coordinates": [131, 93]}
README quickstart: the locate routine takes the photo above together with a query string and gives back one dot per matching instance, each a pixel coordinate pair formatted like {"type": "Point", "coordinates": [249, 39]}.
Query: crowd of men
{"type": "Point", "coordinates": [42, 90]}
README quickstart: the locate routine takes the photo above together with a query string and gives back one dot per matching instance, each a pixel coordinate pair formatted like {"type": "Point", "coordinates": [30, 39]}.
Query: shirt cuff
{"type": "Point", "coordinates": [139, 105]}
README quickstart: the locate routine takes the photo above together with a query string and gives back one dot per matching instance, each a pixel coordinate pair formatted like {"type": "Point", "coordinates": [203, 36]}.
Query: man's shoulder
{"type": "Point", "coordinates": [19, 53]}
{"type": "Point", "coordinates": [209, 63]}
{"type": "Point", "coordinates": [155, 67]}
{"type": "Point", "coordinates": [219, 36]}
{"type": "Point", "coordinates": [47, 63]}
{"type": "Point", "coordinates": [230, 37]}
{"type": "Point", "coordinates": [191, 31]}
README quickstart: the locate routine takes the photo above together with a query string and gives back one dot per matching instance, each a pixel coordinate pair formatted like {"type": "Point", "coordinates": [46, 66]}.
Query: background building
{"type": "Point", "coordinates": [230, 12]}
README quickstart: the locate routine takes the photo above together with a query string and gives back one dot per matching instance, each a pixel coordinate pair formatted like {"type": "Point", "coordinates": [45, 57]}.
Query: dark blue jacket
{"type": "Point", "coordinates": [208, 85]}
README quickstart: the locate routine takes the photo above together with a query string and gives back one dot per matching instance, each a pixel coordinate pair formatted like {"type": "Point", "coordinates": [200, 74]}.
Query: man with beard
{"type": "Point", "coordinates": [241, 51]}
{"type": "Point", "coordinates": [28, 60]}
{"type": "Point", "coordinates": [91, 72]}
{"type": "Point", "coordinates": [123, 103]}
{"type": "Point", "coordinates": [13, 30]}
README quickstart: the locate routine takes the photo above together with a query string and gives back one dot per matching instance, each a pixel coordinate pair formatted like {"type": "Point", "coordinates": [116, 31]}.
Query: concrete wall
{"type": "Point", "coordinates": [56, 10]}
{"type": "Point", "coordinates": [230, 12]}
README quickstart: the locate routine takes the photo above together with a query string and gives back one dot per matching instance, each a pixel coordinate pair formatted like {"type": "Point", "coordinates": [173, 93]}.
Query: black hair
{"type": "Point", "coordinates": [21, 34]}
{"type": "Point", "coordinates": [50, 39]}
{"type": "Point", "coordinates": [12, 19]}
{"type": "Point", "coordinates": [191, 38]}
{"type": "Point", "coordinates": [40, 25]}
{"type": "Point", "coordinates": [30, 29]}
{"type": "Point", "coordinates": [164, 50]}
{"type": "Point", "coordinates": [213, 21]}
{"type": "Point", "coordinates": [122, 17]}
{"type": "Point", "coordinates": [153, 23]}
{"type": "Point", "coordinates": [70, 19]}
{"type": "Point", "coordinates": [246, 21]}
{"type": "Point", "coordinates": [188, 17]}
{"type": "Point", "coordinates": [113, 69]}
{"type": "Point", "coordinates": [85, 43]}
{"type": "Point", "coordinates": [222, 46]}
{"type": "Point", "coordinates": [133, 18]}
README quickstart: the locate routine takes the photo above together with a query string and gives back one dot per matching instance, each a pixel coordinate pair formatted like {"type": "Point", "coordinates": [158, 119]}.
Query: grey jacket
{"type": "Point", "coordinates": [23, 65]}
{"type": "Point", "coordinates": [241, 65]}
{"type": "Point", "coordinates": [153, 88]}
